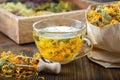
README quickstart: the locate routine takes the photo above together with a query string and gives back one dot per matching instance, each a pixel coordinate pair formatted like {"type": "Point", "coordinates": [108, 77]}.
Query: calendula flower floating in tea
{"type": "Point", "coordinates": [59, 49]}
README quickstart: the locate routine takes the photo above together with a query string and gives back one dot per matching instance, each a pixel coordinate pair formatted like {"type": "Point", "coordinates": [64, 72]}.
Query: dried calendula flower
{"type": "Point", "coordinates": [9, 68]}
{"type": "Point", "coordinates": [105, 14]}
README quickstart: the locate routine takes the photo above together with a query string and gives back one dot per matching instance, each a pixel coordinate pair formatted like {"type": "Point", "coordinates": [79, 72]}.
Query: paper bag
{"type": "Point", "coordinates": [107, 42]}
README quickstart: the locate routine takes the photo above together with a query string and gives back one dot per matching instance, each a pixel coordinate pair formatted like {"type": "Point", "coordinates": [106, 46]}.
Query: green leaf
{"type": "Point", "coordinates": [81, 36]}
{"type": "Point", "coordinates": [65, 40]}
{"type": "Point", "coordinates": [99, 8]}
{"type": "Point", "coordinates": [36, 38]}
{"type": "Point", "coordinates": [3, 62]}
{"type": "Point", "coordinates": [106, 15]}
{"type": "Point", "coordinates": [114, 14]}
{"type": "Point", "coordinates": [66, 55]}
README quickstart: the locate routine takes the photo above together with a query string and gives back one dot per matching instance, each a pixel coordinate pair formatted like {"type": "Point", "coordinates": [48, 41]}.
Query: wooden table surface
{"type": "Point", "coordinates": [81, 69]}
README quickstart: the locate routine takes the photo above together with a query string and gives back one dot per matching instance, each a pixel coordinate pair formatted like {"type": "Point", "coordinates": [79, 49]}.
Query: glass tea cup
{"type": "Point", "coordinates": [61, 40]}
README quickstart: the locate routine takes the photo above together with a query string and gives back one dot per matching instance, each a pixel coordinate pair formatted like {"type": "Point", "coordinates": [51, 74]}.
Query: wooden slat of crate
{"type": "Point", "coordinates": [83, 4]}
{"type": "Point", "coordinates": [9, 24]}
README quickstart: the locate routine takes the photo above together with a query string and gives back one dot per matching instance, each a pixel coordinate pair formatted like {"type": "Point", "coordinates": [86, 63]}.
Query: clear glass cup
{"type": "Point", "coordinates": [61, 40]}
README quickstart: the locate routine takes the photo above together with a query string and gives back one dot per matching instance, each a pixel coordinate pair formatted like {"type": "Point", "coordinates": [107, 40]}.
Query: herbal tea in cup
{"type": "Point", "coordinates": [61, 40]}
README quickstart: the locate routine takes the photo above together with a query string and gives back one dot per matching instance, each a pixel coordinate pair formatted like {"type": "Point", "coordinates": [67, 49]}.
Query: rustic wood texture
{"type": "Point", "coordinates": [83, 4]}
{"type": "Point", "coordinates": [81, 69]}
{"type": "Point", "coordinates": [9, 24]}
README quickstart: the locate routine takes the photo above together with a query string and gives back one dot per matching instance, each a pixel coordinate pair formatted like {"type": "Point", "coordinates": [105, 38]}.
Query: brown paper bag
{"type": "Point", "coordinates": [107, 40]}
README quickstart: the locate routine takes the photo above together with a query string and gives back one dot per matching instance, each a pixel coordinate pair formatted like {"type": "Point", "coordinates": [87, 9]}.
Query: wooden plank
{"type": "Point", "coordinates": [9, 24]}
{"type": "Point", "coordinates": [83, 4]}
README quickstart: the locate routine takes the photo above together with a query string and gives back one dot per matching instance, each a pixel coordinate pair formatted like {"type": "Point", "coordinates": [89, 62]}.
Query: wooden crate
{"type": "Point", "coordinates": [83, 4]}
{"type": "Point", "coordinates": [19, 29]}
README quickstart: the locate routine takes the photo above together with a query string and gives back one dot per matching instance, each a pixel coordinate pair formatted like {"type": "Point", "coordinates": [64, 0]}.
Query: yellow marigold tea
{"type": "Point", "coordinates": [59, 49]}
{"type": "Point", "coordinates": [59, 42]}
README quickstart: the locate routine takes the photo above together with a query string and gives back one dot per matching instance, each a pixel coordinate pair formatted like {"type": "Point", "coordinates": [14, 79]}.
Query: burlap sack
{"type": "Point", "coordinates": [107, 42]}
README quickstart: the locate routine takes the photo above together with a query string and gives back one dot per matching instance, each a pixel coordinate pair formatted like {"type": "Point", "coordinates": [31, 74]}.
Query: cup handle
{"type": "Point", "coordinates": [86, 47]}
